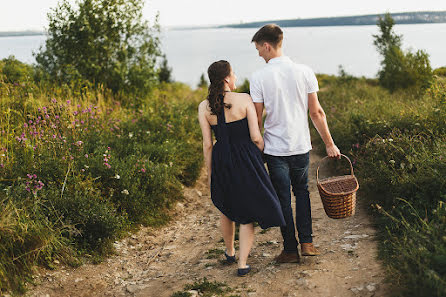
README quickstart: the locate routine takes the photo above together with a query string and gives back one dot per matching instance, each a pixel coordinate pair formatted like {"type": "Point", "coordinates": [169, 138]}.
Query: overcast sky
{"type": "Point", "coordinates": [31, 14]}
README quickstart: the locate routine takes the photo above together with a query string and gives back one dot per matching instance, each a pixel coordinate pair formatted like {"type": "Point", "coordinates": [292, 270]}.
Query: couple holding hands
{"type": "Point", "coordinates": [241, 188]}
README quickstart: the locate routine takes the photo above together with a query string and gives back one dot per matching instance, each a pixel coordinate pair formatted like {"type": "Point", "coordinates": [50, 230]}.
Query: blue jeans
{"type": "Point", "coordinates": [292, 171]}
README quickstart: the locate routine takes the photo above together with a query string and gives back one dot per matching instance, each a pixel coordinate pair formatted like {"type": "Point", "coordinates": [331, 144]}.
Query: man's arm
{"type": "Point", "coordinates": [319, 120]}
{"type": "Point", "coordinates": [259, 111]}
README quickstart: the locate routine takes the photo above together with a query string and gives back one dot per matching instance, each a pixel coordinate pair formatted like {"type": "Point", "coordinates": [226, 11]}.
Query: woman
{"type": "Point", "coordinates": [240, 186]}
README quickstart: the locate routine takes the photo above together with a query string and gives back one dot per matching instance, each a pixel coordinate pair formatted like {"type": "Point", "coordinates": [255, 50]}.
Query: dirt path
{"type": "Point", "coordinates": [159, 262]}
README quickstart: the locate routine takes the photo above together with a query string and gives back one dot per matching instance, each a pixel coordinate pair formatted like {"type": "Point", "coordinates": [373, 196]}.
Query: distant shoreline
{"type": "Point", "coordinates": [423, 17]}
{"type": "Point", "coordinates": [404, 18]}
{"type": "Point", "coordinates": [21, 33]}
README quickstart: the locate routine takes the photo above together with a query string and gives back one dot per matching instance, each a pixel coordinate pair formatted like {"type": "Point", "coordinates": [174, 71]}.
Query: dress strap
{"type": "Point", "coordinates": [224, 136]}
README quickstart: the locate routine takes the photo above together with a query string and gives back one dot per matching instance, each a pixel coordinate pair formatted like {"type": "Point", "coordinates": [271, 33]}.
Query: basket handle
{"type": "Point", "coordinates": [317, 171]}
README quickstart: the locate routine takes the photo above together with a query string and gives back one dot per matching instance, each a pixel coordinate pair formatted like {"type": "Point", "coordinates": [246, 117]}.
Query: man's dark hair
{"type": "Point", "coordinates": [270, 33]}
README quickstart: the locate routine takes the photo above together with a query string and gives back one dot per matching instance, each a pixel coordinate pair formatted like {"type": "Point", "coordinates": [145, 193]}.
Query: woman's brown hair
{"type": "Point", "coordinates": [217, 73]}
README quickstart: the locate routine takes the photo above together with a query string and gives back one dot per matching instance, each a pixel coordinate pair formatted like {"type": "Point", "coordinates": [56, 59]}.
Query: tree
{"type": "Point", "coordinates": [387, 39]}
{"type": "Point", "coordinates": [400, 69]}
{"type": "Point", "coordinates": [165, 72]}
{"type": "Point", "coordinates": [203, 83]}
{"type": "Point", "coordinates": [103, 41]}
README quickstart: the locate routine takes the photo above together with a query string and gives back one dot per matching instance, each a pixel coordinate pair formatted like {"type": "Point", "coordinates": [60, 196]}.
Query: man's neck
{"type": "Point", "coordinates": [276, 54]}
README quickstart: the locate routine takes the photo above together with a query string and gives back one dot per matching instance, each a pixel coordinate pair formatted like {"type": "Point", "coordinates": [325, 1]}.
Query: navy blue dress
{"type": "Point", "coordinates": [240, 186]}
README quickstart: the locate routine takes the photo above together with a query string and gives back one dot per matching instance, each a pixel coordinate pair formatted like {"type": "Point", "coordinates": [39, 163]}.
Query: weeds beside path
{"type": "Point", "coordinates": [159, 262]}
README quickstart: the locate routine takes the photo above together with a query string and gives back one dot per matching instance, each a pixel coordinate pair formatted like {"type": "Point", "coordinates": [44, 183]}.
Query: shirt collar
{"type": "Point", "coordinates": [278, 59]}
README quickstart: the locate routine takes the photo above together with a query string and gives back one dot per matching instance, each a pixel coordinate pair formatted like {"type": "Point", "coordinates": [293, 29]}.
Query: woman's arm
{"type": "Point", "coordinates": [207, 138]}
{"type": "Point", "coordinates": [253, 124]}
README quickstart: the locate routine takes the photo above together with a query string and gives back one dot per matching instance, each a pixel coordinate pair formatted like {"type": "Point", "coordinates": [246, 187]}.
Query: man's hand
{"type": "Point", "coordinates": [333, 151]}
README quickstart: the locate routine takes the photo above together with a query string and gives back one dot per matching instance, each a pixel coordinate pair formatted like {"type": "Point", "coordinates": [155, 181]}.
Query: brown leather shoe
{"type": "Point", "coordinates": [287, 257]}
{"type": "Point", "coordinates": [308, 249]}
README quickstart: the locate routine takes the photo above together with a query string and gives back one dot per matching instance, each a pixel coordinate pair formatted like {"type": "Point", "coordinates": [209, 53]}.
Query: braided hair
{"type": "Point", "coordinates": [217, 73]}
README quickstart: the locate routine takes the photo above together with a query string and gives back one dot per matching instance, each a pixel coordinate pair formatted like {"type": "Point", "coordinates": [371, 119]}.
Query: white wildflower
{"type": "Point", "coordinates": [125, 192]}
{"type": "Point", "coordinates": [130, 134]}
{"type": "Point", "coordinates": [117, 176]}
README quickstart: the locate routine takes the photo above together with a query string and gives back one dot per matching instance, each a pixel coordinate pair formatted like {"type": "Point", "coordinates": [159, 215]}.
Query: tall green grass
{"type": "Point", "coordinates": [397, 142]}
{"type": "Point", "coordinates": [78, 170]}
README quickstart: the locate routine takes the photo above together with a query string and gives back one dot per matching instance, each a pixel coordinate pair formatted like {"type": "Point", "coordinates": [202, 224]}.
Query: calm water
{"type": "Point", "coordinates": [190, 52]}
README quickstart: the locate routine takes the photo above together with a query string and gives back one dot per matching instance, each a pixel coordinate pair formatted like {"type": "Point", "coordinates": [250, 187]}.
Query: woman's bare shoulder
{"type": "Point", "coordinates": [203, 106]}
{"type": "Point", "coordinates": [244, 97]}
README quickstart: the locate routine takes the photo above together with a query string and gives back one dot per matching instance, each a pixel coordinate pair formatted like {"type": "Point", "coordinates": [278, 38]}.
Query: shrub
{"type": "Point", "coordinates": [103, 42]}
{"type": "Point", "coordinates": [27, 238]}
{"type": "Point", "coordinates": [404, 70]}
{"type": "Point", "coordinates": [15, 71]}
{"type": "Point", "coordinates": [397, 143]}
{"type": "Point", "coordinates": [79, 172]}
{"type": "Point", "coordinates": [244, 87]}
{"type": "Point", "coordinates": [440, 71]}
{"type": "Point", "coordinates": [419, 250]}
{"type": "Point", "coordinates": [203, 83]}
{"type": "Point", "coordinates": [400, 70]}
{"type": "Point", "coordinates": [165, 72]}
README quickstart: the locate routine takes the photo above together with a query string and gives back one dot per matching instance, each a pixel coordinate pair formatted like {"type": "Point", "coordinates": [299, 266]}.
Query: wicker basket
{"type": "Point", "coordinates": [338, 193]}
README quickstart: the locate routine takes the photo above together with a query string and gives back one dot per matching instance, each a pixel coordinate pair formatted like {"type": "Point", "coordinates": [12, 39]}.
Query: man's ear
{"type": "Point", "coordinates": [267, 46]}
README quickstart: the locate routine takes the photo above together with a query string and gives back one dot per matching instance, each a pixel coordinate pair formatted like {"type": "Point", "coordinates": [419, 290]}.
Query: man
{"type": "Point", "coordinates": [288, 91]}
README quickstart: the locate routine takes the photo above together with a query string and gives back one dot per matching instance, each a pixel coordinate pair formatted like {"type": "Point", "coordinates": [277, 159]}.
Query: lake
{"type": "Point", "coordinates": [190, 52]}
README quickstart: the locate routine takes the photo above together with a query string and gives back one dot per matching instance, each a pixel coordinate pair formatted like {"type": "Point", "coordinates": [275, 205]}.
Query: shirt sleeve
{"type": "Point", "coordinates": [312, 84]}
{"type": "Point", "coordinates": [255, 89]}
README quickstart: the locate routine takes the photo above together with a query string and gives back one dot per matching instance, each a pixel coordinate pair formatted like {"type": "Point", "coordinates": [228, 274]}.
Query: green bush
{"type": "Point", "coordinates": [85, 169]}
{"type": "Point", "coordinates": [404, 70]}
{"type": "Point", "coordinates": [103, 42]}
{"type": "Point", "coordinates": [418, 253]}
{"type": "Point", "coordinates": [14, 71]}
{"type": "Point", "coordinates": [244, 87]}
{"type": "Point", "coordinates": [27, 238]}
{"type": "Point", "coordinates": [440, 71]}
{"type": "Point", "coordinates": [400, 70]}
{"type": "Point", "coordinates": [397, 144]}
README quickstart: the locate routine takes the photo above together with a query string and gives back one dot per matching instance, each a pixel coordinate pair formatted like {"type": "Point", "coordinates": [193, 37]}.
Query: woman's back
{"type": "Point", "coordinates": [238, 110]}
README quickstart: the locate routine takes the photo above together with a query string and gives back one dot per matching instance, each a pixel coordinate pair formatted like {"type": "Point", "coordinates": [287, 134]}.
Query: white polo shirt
{"type": "Point", "coordinates": [283, 87]}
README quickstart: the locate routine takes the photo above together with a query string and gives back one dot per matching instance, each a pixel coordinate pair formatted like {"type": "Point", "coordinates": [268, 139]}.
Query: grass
{"type": "Point", "coordinates": [79, 170]}
{"type": "Point", "coordinates": [206, 288]}
{"type": "Point", "coordinates": [214, 253]}
{"type": "Point", "coordinates": [397, 144]}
